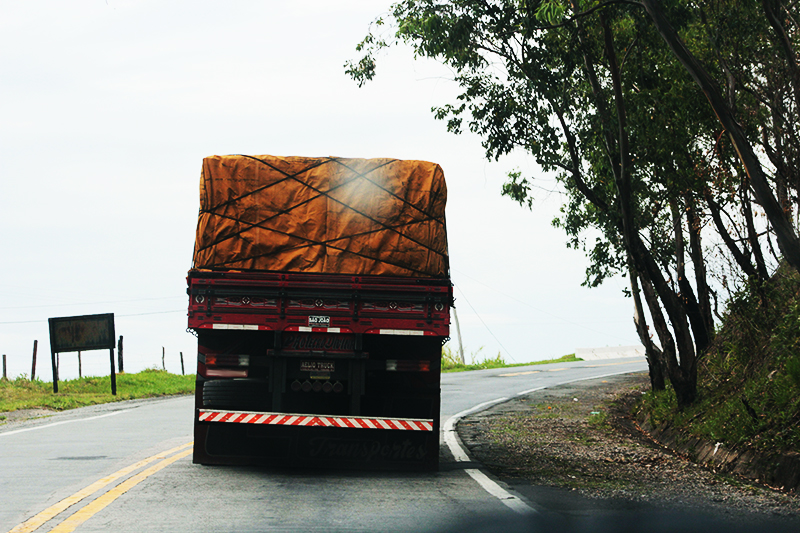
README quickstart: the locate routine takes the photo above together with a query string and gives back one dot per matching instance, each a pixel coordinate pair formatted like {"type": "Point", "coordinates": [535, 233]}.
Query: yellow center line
{"type": "Point", "coordinates": [102, 501]}
{"type": "Point", "coordinates": [35, 522]}
{"type": "Point", "coordinates": [519, 373]}
{"type": "Point", "coordinates": [529, 372]}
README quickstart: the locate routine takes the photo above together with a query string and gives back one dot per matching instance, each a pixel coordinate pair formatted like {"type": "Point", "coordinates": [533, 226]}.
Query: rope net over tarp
{"type": "Point", "coordinates": [327, 215]}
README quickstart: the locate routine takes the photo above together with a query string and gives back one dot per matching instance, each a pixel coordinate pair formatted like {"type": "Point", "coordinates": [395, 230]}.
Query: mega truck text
{"type": "Point", "coordinates": [320, 296]}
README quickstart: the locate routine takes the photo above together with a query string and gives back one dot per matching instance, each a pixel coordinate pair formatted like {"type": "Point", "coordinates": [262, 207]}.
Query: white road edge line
{"type": "Point", "coordinates": [15, 431]}
{"type": "Point", "coordinates": [460, 454]}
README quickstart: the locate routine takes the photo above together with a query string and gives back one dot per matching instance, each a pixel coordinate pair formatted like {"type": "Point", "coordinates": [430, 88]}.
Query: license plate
{"type": "Point", "coordinates": [317, 366]}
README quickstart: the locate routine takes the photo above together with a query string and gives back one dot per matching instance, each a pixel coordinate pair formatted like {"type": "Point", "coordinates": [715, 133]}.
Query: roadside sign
{"type": "Point", "coordinates": [82, 333]}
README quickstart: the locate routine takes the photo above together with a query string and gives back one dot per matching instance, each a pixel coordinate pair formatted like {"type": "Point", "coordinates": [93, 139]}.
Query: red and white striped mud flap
{"type": "Point", "coordinates": [286, 419]}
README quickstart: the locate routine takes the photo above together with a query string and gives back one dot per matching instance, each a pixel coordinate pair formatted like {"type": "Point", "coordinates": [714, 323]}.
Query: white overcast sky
{"type": "Point", "coordinates": [107, 108]}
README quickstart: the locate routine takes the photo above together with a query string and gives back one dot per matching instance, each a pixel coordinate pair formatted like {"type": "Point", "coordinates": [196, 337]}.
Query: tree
{"type": "Point", "coordinates": [592, 91]}
{"type": "Point", "coordinates": [782, 106]}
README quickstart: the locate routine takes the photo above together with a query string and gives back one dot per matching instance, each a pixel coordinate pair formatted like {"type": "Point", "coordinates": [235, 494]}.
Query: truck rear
{"type": "Point", "coordinates": [320, 298]}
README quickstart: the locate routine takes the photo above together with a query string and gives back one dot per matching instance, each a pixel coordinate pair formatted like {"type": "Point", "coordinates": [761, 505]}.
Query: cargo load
{"type": "Point", "coordinates": [322, 215]}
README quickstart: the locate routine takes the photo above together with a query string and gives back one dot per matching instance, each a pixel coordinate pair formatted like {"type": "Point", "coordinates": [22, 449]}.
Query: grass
{"type": "Point", "coordinates": [599, 419]}
{"type": "Point", "coordinates": [22, 393]}
{"type": "Point", "coordinates": [749, 380]}
{"type": "Point", "coordinates": [452, 363]}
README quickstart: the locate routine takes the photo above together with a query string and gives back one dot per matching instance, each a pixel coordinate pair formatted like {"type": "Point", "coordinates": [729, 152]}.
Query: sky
{"type": "Point", "coordinates": [107, 108]}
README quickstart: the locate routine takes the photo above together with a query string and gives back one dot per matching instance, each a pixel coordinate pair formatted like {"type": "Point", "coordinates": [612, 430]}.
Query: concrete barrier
{"type": "Point", "coordinates": [609, 352]}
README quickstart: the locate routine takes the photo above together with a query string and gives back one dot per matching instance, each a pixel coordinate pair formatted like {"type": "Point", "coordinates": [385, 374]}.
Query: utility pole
{"type": "Point", "coordinates": [458, 331]}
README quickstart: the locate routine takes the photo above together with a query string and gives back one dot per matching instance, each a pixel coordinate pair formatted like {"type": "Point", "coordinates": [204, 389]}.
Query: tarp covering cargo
{"type": "Point", "coordinates": [327, 215]}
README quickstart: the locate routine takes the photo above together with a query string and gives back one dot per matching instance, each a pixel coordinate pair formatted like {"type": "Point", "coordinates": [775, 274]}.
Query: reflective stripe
{"type": "Point", "coordinates": [285, 419]}
{"type": "Point", "coordinates": [237, 326]}
{"type": "Point", "coordinates": [315, 329]}
{"type": "Point", "coordinates": [401, 332]}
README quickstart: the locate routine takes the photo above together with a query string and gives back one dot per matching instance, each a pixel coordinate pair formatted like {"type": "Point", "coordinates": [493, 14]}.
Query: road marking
{"type": "Point", "coordinates": [526, 372]}
{"type": "Point", "coordinates": [460, 454]}
{"type": "Point", "coordinates": [51, 512]}
{"type": "Point", "coordinates": [115, 413]}
{"type": "Point", "coordinates": [612, 364]}
{"type": "Point", "coordinates": [100, 503]}
{"type": "Point", "coordinates": [518, 373]}
{"type": "Point", "coordinates": [498, 492]}
{"type": "Point", "coordinates": [449, 429]}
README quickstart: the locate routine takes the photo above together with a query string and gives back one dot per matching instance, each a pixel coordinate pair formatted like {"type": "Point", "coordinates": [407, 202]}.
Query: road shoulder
{"type": "Point", "coordinates": [573, 449]}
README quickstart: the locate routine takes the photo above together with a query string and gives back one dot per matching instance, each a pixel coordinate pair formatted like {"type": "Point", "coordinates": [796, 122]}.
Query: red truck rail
{"type": "Point", "coordinates": [266, 301]}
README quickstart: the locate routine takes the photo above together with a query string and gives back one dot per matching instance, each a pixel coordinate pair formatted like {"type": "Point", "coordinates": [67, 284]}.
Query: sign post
{"type": "Point", "coordinates": [82, 333]}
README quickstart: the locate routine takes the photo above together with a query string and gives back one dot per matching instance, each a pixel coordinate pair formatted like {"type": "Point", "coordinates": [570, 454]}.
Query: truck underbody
{"type": "Point", "coordinates": [318, 369]}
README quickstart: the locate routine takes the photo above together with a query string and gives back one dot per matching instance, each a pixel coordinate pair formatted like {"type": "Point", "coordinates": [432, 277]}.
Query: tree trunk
{"type": "Point", "coordinates": [752, 234]}
{"type": "Point", "coordinates": [742, 258]}
{"type": "Point", "coordinates": [699, 264]}
{"type": "Point", "coordinates": [653, 354]}
{"type": "Point", "coordinates": [687, 296]}
{"type": "Point", "coordinates": [682, 375]}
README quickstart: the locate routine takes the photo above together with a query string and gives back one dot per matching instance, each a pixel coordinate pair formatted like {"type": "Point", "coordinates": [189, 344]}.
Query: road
{"type": "Point", "coordinates": [128, 461]}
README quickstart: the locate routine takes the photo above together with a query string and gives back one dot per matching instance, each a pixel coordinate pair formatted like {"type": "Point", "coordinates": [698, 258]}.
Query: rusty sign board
{"type": "Point", "coordinates": [78, 333]}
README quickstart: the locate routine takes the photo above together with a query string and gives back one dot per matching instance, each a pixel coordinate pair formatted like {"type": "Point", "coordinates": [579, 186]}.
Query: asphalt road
{"type": "Point", "coordinates": [122, 467]}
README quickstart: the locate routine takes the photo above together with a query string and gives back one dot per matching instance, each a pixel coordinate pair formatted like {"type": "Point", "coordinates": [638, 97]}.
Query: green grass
{"type": "Point", "coordinates": [749, 380]}
{"type": "Point", "coordinates": [452, 363]}
{"type": "Point", "coordinates": [22, 393]}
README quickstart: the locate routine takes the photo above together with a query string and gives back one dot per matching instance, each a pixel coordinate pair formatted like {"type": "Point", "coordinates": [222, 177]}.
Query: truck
{"type": "Point", "coordinates": [320, 297]}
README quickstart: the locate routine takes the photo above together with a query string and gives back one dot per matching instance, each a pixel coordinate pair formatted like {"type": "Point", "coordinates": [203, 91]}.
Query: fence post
{"type": "Point", "coordinates": [54, 361]}
{"type": "Point", "coordinates": [163, 366]}
{"type": "Point", "coordinates": [33, 364]}
{"type": "Point", "coordinates": [183, 373]}
{"type": "Point", "coordinates": [5, 376]}
{"type": "Point", "coordinates": [113, 371]}
{"type": "Point", "coordinates": [119, 355]}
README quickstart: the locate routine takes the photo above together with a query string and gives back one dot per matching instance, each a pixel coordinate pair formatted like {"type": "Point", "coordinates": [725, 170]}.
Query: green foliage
{"type": "Point", "coordinates": [594, 94]}
{"type": "Point", "coordinates": [551, 12]}
{"type": "Point", "coordinates": [23, 393]}
{"type": "Point", "coordinates": [749, 380]}
{"type": "Point", "coordinates": [521, 65]}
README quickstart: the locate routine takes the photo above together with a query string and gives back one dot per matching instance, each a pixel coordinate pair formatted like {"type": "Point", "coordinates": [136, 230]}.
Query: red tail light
{"type": "Point", "coordinates": [407, 365]}
{"type": "Point", "coordinates": [222, 365]}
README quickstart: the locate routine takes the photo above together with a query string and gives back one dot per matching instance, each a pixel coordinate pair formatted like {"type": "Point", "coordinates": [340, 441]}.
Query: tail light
{"type": "Point", "coordinates": [223, 365]}
{"type": "Point", "coordinates": [407, 365]}
{"type": "Point", "coordinates": [226, 360]}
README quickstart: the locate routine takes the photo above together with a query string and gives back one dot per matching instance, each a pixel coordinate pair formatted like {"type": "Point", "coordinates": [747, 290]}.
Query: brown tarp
{"type": "Point", "coordinates": [327, 215]}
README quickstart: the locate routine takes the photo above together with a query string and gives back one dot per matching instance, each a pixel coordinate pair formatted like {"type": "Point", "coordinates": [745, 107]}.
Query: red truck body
{"type": "Point", "coordinates": [318, 368]}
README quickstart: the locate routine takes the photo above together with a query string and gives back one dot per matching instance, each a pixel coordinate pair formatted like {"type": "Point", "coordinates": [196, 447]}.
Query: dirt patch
{"type": "Point", "coordinates": [580, 436]}
{"type": "Point", "coordinates": [24, 414]}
